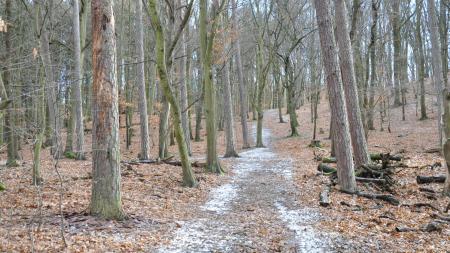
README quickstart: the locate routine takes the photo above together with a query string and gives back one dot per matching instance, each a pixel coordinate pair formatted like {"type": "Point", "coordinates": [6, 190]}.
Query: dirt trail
{"type": "Point", "coordinates": [256, 211]}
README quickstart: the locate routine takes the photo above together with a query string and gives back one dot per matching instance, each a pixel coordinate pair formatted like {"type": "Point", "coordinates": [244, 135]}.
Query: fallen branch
{"type": "Point", "coordinates": [381, 156]}
{"type": "Point", "coordinates": [371, 180]}
{"type": "Point", "coordinates": [196, 164]}
{"type": "Point", "coordinates": [440, 217]}
{"type": "Point", "coordinates": [385, 197]}
{"type": "Point", "coordinates": [429, 180]}
{"type": "Point", "coordinates": [419, 205]}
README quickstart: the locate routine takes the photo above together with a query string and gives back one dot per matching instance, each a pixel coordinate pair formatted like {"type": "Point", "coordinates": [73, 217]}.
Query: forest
{"type": "Point", "coordinates": [224, 126]}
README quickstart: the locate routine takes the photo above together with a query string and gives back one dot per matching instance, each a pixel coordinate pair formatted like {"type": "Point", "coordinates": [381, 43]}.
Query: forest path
{"type": "Point", "coordinates": [256, 211]}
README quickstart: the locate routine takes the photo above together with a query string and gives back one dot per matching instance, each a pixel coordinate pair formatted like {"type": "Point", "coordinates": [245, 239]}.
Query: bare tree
{"type": "Point", "coordinates": [359, 144]}
{"type": "Point", "coordinates": [344, 154]}
{"type": "Point", "coordinates": [140, 69]}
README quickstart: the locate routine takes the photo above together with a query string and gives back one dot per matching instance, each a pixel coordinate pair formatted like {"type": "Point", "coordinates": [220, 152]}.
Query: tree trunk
{"type": "Point", "coordinates": [51, 85]}
{"type": "Point", "coordinates": [438, 84]}
{"type": "Point", "coordinates": [76, 89]}
{"type": "Point", "coordinates": [443, 29]}
{"type": "Point", "coordinates": [106, 198]}
{"type": "Point", "coordinates": [396, 37]}
{"type": "Point", "coordinates": [229, 118]}
{"type": "Point", "coordinates": [206, 44]}
{"type": "Point", "coordinates": [10, 127]}
{"type": "Point", "coordinates": [373, 65]}
{"type": "Point", "coordinates": [140, 78]}
{"type": "Point", "coordinates": [344, 154]}
{"type": "Point", "coordinates": [421, 61]}
{"type": "Point", "coordinates": [184, 94]}
{"type": "Point", "coordinates": [359, 144]}
{"type": "Point", "coordinates": [242, 86]}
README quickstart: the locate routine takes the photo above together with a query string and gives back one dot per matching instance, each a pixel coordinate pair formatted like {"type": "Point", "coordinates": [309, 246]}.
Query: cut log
{"type": "Point", "coordinates": [326, 169]}
{"type": "Point", "coordinates": [371, 180]}
{"type": "Point", "coordinates": [429, 180]}
{"type": "Point", "coordinates": [325, 199]}
{"type": "Point", "coordinates": [441, 217]}
{"type": "Point", "coordinates": [381, 156]}
{"type": "Point", "coordinates": [433, 150]}
{"type": "Point", "coordinates": [385, 197]}
{"type": "Point", "coordinates": [423, 189]}
{"type": "Point", "coordinates": [404, 229]}
{"type": "Point", "coordinates": [328, 159]}
{"type": "Point", "coordinates": [431, 227]}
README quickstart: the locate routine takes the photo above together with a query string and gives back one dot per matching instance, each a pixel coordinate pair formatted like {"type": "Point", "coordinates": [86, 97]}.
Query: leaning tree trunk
{"type": "Point", "coordinates": [106, 198]}
{"type": "Point", "coordinates": [341, 138]}
{"type": "Point", "coordinates": [188, 175]}
{"type": "Point", "coordinates": [359, 144]}
{"type": "Point", "coordinates": [438, 83]}
{"type": "Point", "coordinates": [140, 67]}
{"type": "Point", "coordinates": [242, 88]}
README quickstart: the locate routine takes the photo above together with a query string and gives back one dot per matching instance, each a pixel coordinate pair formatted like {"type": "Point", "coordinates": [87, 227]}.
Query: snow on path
{"type": "Point", "coordinates": [217, 228]}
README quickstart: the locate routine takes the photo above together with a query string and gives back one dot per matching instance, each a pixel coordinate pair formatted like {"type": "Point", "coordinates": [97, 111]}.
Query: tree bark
{"type": "Point", "coordinates": [106, 198]}
{"type": "Point", "coordinates": [359, 144]}
{"type": "Point", "coordinates": [344, 155]}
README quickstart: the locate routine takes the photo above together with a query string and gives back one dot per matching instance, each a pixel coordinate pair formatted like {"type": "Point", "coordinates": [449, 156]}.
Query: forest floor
{"type": "Point", "coordinates": [266, 202]}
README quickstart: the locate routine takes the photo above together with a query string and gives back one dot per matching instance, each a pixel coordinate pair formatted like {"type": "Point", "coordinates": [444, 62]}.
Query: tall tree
{"type": "Point", "coordinates": [439, 85]}
{"type": "Point", "coordinates": [373, 64]}
{"type": "Point", "coordinates": [206, 50]}
{"type": "Point", "coordinates": [140, 74]}
{"type": "Point", "coordinates": [420, 60]}
{"type": "Point", "coordinates": [359, 144]}
{"type": "Point", "coordinates": [51, 86]}
{"type": "Point", "coordinates": [78, 103]}
{"type": "Point", "coordinates": [106, 200]}
{"type": "Point", "coordinates": [344, 154]}
{"type": "Point", "coordinates": [10, 128]}
{"type": "Point", "coordinates": [396, 37]}
{"type": "Point", "coordinates": [240, 74]}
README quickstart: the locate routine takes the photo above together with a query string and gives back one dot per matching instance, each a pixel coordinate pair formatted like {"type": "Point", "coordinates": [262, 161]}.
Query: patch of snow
{"type": "Point", "coordinates": [307, 240]}
{"type": "Point", "coordinates": [220, 198]}
{"type": "Point", "coordinates": [200, 235]}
